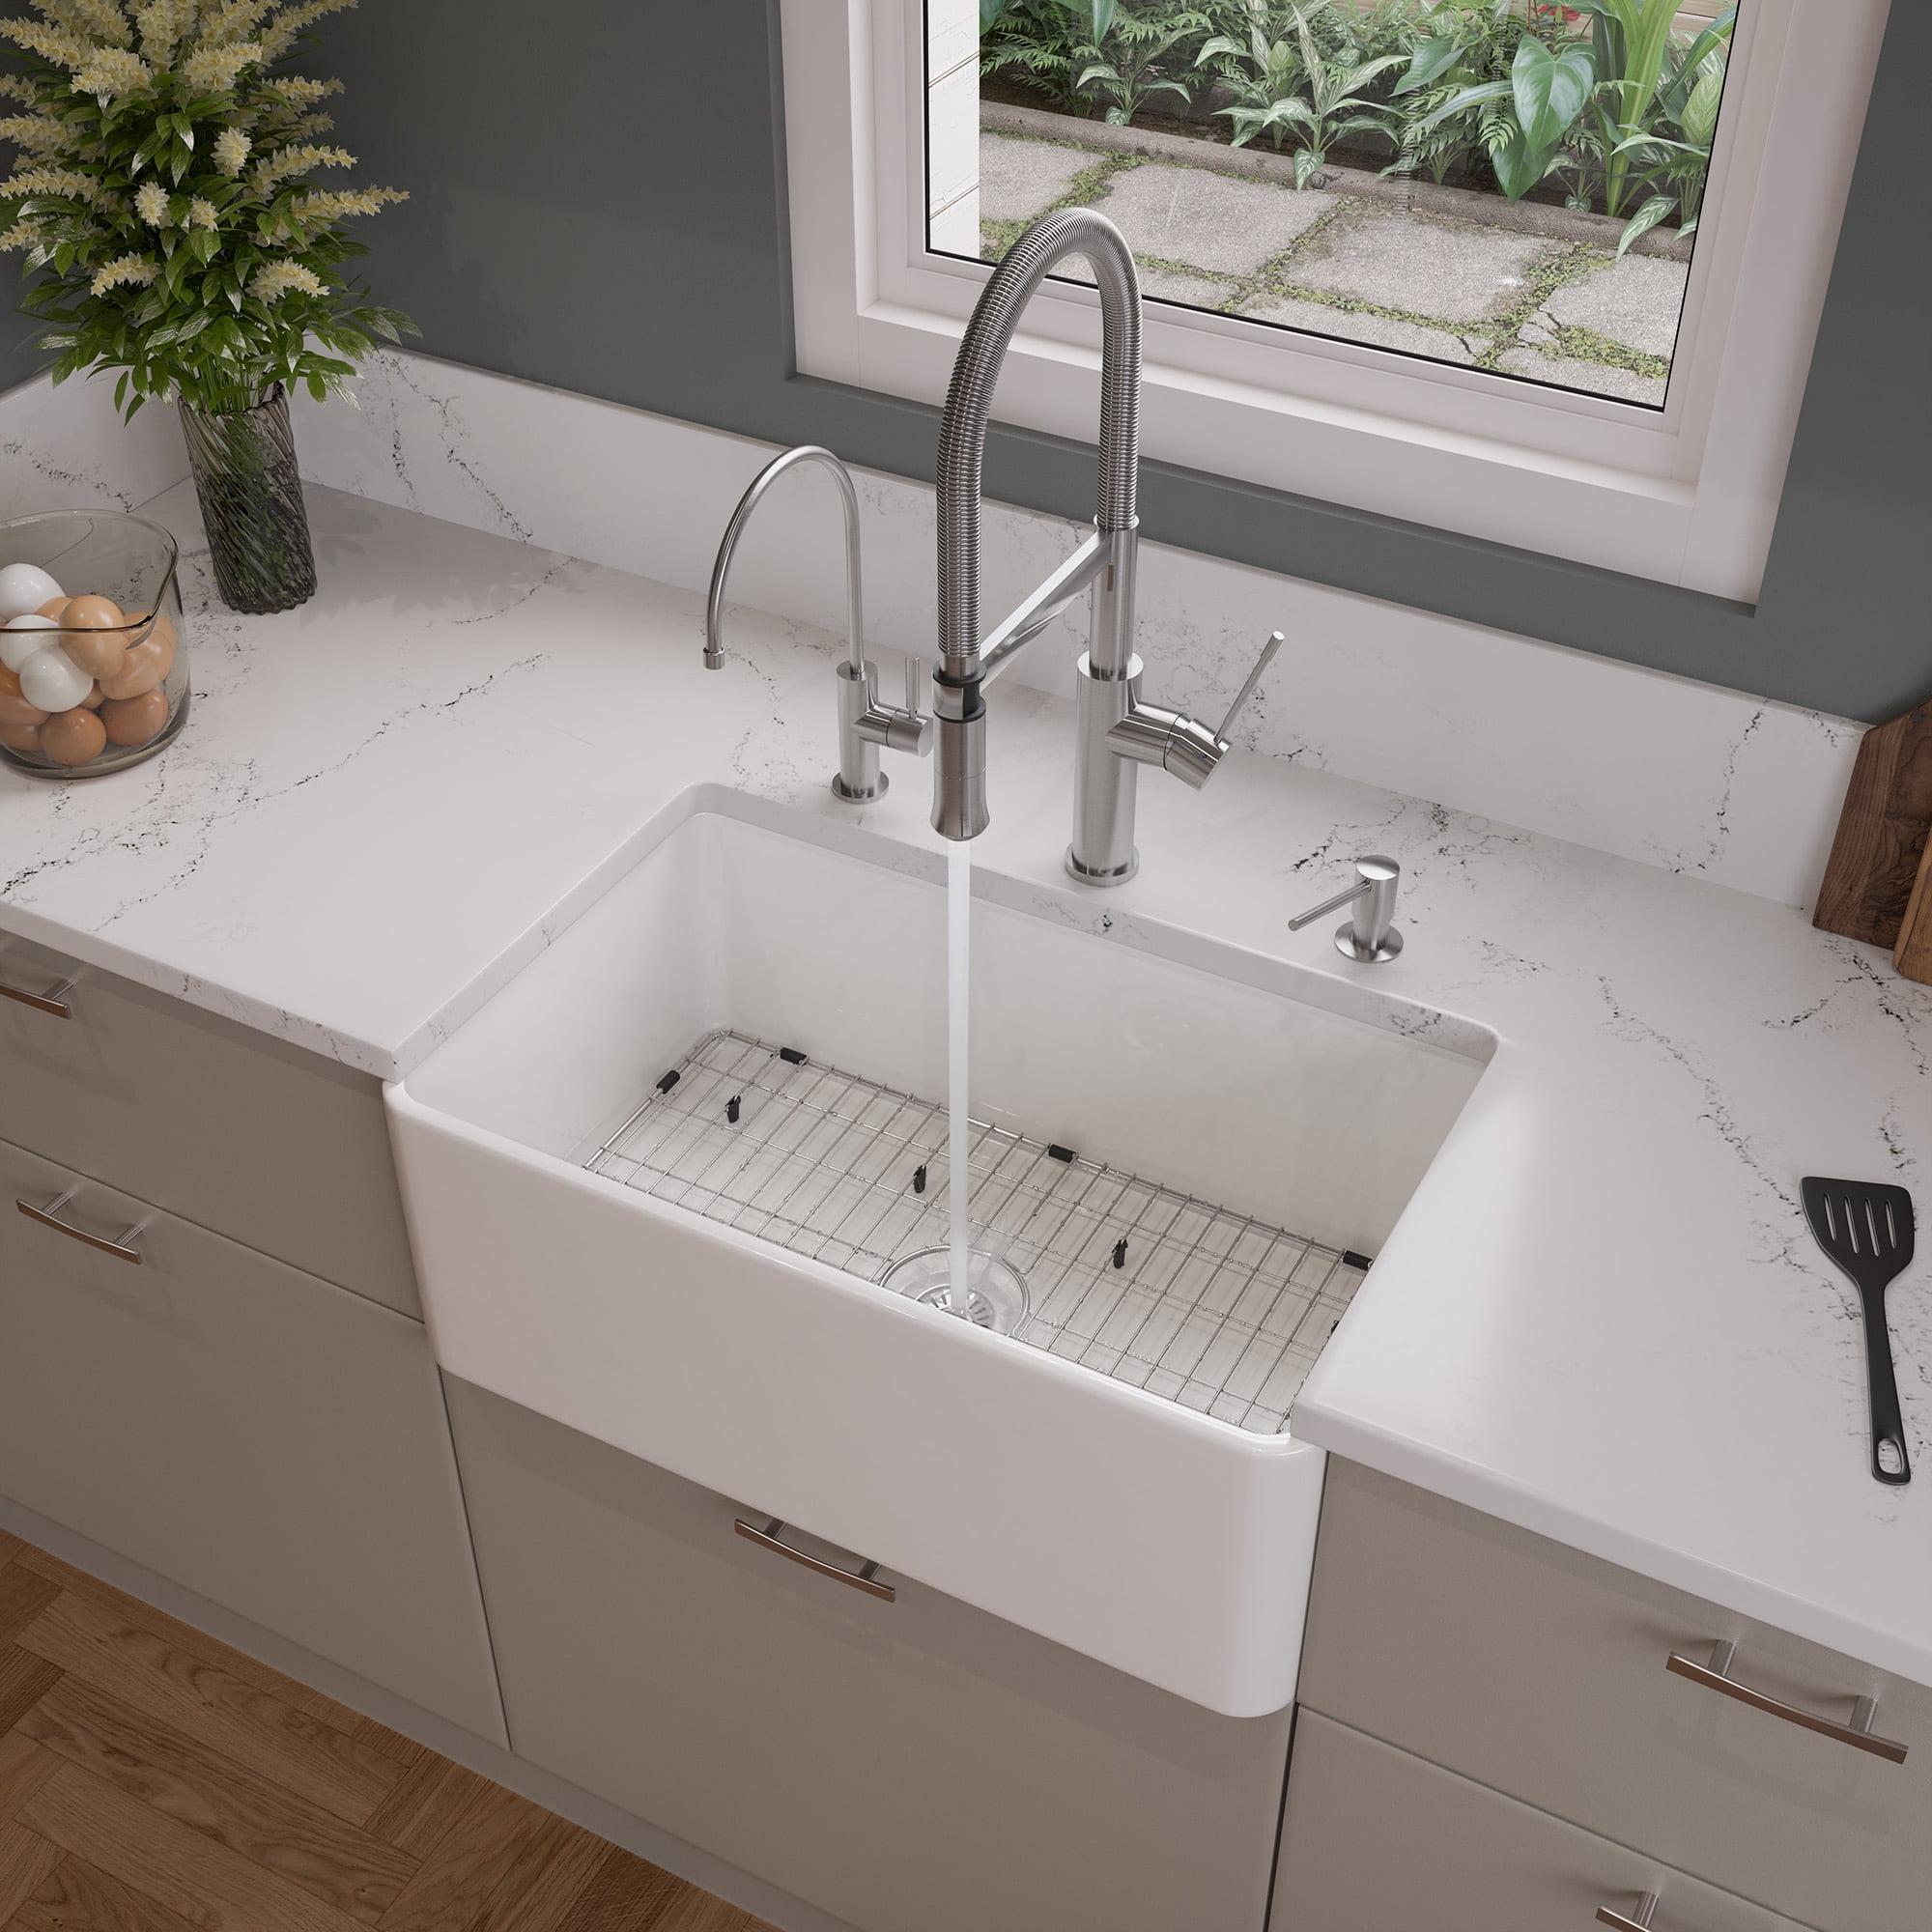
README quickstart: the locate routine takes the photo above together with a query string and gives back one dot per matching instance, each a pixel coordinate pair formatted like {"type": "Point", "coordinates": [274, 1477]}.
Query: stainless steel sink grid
{"type": "Point", "coordinates": [1206, 1307]}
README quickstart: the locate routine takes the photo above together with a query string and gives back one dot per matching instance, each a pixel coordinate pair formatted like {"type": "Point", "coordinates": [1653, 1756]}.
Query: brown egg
{"type": "Point", "coordinates": [145, 663]}
{"type": "Point", "coordinates": [20, 737]}
{"type": "Point", "coordinates": [54, 606]}
{"type": "Point", "coordinates": [74, 737]}
{"type": "Point", "coordinates": [95, 697]}
{"type": "Point", "coordinates": [133, 721]}
{"type": "Point", "coordinates": [15, 710]}
{"type": "Point", "coordinates": [95, 634]}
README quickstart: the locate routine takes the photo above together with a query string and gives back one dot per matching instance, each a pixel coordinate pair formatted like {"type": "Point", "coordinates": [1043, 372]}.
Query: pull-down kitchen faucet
{"type": "Point", "coordinates": [1117, 732]}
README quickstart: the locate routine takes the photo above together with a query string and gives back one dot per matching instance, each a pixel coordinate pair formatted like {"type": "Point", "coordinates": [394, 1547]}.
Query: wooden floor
{"type": "Point", "coordinates": [154, 1780]}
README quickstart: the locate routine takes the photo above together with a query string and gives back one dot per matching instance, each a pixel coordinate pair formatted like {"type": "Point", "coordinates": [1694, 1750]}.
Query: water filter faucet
{"type": "Point", "coordinates": [863, 722]}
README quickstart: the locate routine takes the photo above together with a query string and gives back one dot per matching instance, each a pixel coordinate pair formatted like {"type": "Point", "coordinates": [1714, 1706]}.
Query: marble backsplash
{"type": "Point", "coordinates": [1697, 780]}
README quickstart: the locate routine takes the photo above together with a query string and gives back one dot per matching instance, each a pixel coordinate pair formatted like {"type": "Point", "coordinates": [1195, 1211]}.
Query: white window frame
{"type": "Point", "coordinates": [1685, 495]}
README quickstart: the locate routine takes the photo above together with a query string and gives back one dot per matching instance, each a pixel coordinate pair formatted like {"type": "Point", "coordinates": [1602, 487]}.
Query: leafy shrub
{"type": "Point", "coordinates": [1603, 99]}
{"type": "Point", "coordinates": [165, 196]}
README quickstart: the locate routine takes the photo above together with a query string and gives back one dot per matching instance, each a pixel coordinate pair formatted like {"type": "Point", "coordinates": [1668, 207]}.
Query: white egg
{"type": "Point", "coordinates": [24, 587]}
{"type": "Point", "coordinates": [18, 642]}
{"type": "Point", "coordinates": [52, 680]}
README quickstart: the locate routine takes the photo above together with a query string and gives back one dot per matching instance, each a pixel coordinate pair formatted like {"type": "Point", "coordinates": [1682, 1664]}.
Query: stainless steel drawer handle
{"type": "Point", "coordinates": [866, 1577]}
{"type": "Point", "coordinates": [1717, 1676]}
{"type": "Point", "coordinates": [123, 1250]}
{"type": "Point", "coordinates": [1643, 1920]}
{"type": "Point", "coordinates": [53, 1001]}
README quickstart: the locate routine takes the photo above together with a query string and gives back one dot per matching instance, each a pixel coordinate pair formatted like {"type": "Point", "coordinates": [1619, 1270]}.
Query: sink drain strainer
{"type": "Point", "coordinates": [996, 1294]}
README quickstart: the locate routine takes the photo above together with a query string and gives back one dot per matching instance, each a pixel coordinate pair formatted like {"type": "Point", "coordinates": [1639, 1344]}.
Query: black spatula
{"type": "Point", "coordinates": [1865, 1226]}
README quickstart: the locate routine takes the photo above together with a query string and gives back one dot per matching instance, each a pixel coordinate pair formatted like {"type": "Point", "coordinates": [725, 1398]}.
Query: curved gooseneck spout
{"type": "Point", "coordinates": [727, 546]}
{"type": "Point", "coordinates": [969, 402]}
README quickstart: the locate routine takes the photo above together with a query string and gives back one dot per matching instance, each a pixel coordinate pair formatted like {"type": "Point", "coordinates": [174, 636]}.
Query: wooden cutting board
{"type": "Point", "coordinates": [1882, 832]}
{"type": "Point", "coordinates": [1913, 956]}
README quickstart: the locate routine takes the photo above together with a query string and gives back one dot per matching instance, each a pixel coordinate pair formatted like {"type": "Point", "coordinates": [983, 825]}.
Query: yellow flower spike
{"type": "Point", "coordinates": [273, 280]}
{"type": "Point", "coordinates": [282, 164]}
{"type": "Point", "coordinates": [129, 270]}
{"type": "Point", "coordinates": [99, 20]}
{"type": "Point", "coordinates": [49, 181]}
{"type": "Point", "coordinates": [52, 44]}
{"type": "Point", "coordinates": [215, 69]}
{"type": "Point", "coordinates": [112, 71]}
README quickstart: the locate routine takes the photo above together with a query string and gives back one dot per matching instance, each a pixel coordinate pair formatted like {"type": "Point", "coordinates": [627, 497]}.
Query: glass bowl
{"type": "Point", "coordinates": [116, 689]}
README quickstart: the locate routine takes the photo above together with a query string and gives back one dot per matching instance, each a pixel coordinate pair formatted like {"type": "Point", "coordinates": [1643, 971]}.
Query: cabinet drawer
{"type": "Point", "coordinates": [268, 1440]}
{"type": "Point", "coordinates": [1374, 1840]}
{"type": "Point", "coordinates": [914, 1766]}
{"type": "Point", "coordinates": [1542, 1673]}
{"type": "Point", "coordinates": [269, 1144]}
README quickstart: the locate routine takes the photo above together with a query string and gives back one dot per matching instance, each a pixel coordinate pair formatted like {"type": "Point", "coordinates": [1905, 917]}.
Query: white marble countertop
{"type": "Point", "coordinates": [1603, 1317]}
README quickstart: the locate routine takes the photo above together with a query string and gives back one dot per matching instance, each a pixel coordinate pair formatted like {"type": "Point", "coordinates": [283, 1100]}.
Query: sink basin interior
{"type": "Point", "coordinates": [1189, 1169]}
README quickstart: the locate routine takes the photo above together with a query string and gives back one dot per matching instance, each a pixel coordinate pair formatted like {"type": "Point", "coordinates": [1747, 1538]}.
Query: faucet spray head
{"type": "Point", "coordinates": [958, 760]}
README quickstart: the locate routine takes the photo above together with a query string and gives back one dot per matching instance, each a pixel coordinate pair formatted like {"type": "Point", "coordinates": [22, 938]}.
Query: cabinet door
{"type": "Point", "coordinates": [915, 1766]}
{"type": "Point", "coordinates": [1375, 1840]}
{"type": "Point", "coordinates": [266, 1141]}
{"type": "Point", "coordinates": [1545, 1673]}
{"type": "Point", "coordinates": [268, 1440]}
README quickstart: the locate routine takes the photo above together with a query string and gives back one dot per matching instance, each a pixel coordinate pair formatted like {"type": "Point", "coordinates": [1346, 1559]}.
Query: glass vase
{"type": "Point", "coordinates": [244, 463]}
{"type": "Point", "coordinates": [94, 671]}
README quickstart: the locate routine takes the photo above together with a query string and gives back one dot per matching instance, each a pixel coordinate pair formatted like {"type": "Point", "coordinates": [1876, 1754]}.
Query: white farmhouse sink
{"type": "Point", "coordinates": [702, 1290]}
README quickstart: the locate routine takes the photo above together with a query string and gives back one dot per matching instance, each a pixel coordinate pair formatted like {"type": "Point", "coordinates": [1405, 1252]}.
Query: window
{"type": "Point", "coordinates": [1541, 274]}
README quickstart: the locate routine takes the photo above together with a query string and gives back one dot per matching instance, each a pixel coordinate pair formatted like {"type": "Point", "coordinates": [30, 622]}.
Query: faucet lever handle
{"type": "Point", "coordinates": [907, 730]}
{"type": "Point", "coordinates": [1275, 640]}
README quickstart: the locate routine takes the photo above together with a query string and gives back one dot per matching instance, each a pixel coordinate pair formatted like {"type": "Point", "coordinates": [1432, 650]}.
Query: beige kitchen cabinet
{"type": "Point", "coordinates": [1545, 1675]}
{"type": "Point", "coordinates": [1375, 1840]}
{"type": "Point", "coordinates": [912, 1766]}
{"type": "Point", "coordinates": [269, 1144]}
{"type": "Point", "coordinates": [264, 1438]}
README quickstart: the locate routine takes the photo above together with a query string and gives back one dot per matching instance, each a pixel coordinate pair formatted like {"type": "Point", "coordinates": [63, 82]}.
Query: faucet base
{"type": "Point", "coordinates": [854, 795]}
{"type": "Point", "coordinates": [1113, 875]}
{"type": "Point", "coordinates": [1348, 944]}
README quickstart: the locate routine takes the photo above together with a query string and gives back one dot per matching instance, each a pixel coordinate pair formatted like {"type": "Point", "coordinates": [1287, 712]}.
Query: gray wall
{"type": "Point", "coordinates": [599, 204]}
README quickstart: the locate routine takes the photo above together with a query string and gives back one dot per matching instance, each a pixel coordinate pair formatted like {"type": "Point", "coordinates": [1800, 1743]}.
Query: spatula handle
{"type": "Point", "coordinates": [1889, 1462]}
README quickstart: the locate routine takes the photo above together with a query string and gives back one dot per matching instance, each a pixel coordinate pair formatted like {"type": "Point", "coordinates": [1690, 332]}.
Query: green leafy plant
{"type": "Point", "coordinates": [1260, 70]}
{"type": "Point", "coordinates": [165, 199]}
{"type": "Point", "coordinates": [1670, 157]}
{"type": "Point", "coordinates": [1462, 44]}
{"type": "Point", "coordinates": [1328, 97]}
{"type": "Point", "coordinates": [1040, 45]}
{"type": "Point", "coordinates": [1547, 92]}
{"type": "Point", "coordinates": [1133, 71]}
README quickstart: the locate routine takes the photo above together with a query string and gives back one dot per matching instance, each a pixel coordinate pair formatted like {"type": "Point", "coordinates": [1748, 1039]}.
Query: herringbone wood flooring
{"type": "Point", "coordinates": [154, 1780]}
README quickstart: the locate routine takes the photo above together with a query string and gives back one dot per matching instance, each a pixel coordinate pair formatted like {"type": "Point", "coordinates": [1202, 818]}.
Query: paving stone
{"type": "Point", "coordinates": [1597, 378]}
{"type": "Point", "coordinates": [1376, 331]}
{"type": "Point", "coordinates": [1208, 220]}
{"type": "Point", "coordinates": [1453, 270]}
{"type": "Point", "coordinates": [1021, 179]}
{"type": "Point", "coordinates": [1197, 290]}
{"type": "Point", "coordinates": [1636, 301]}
